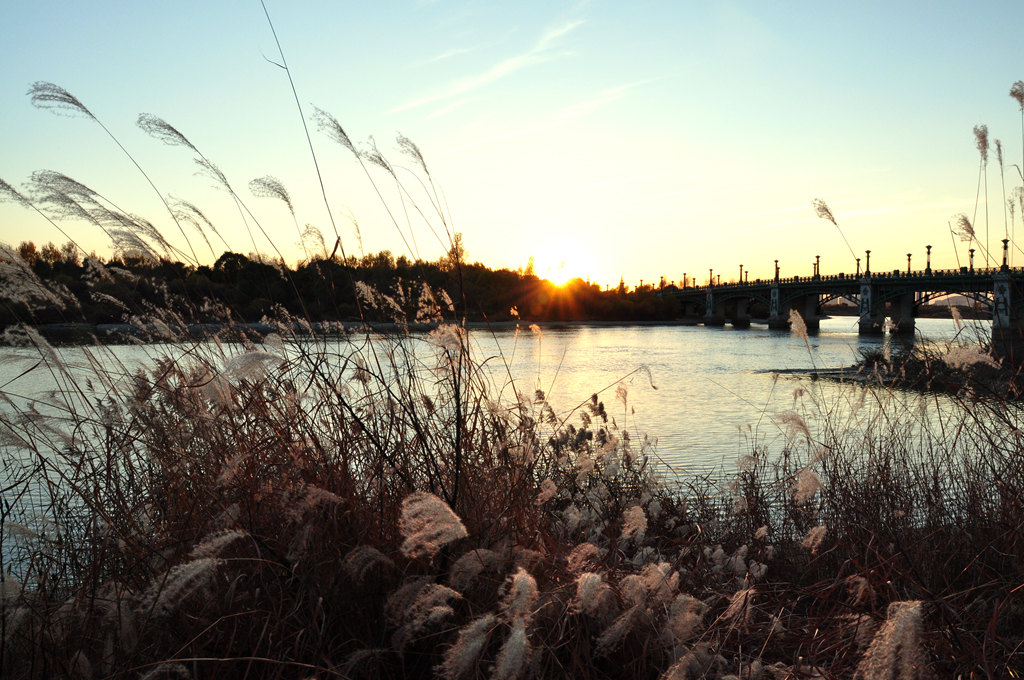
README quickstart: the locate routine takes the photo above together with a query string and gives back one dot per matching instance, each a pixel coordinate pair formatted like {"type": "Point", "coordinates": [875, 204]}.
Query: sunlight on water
{"type": "Point", "coordinates": [703, 393]}
{"type": "Point", "coordinates": [708, 390]}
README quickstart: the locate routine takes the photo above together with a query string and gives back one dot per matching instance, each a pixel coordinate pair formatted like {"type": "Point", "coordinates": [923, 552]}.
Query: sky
{"type": "Point", "coordinates": [605, 140]}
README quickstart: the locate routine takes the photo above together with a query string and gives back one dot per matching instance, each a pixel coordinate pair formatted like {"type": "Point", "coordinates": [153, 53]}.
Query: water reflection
{"type": "Point", "coordinates": [704, 393]}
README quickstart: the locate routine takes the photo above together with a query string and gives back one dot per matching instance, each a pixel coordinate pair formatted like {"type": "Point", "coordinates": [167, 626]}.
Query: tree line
{"type": "Point", "coordinates": [374, 288]}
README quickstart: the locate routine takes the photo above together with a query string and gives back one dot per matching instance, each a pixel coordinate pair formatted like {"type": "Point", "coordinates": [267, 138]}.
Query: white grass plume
{"type": "Point", "coordinates": [814, 538]}
{"type": "Point", "coordinates": [593, 595]}
{"type": "Point", "coordinates": [166, 592]}
{"type": "Point", "coordinates": [964, 229]}
{"type": "Point", "coordinates": [896, 652]}
{"type": "Point", "coordinates": [521, 596]}
{"type": "Point", "coordinates": [964, 357]}
{"type": "Point", "coordinates": [685, 616]}
{"type": "Point", "coordinates": [634, 523]}
{"type": "Point", "coordinates": [612, 636]}
{"type": "Point", "coordinates": [698, 662]}
{"type": "Point", "coordinates": [214, 544]}
{"type": "Point", "coordinates": [799, 328]}
{"type": "Point", "coordinates": [361, 559]}
{"type": "Point", "coordinates": [461, 657]}
{"type": "Point", "coordinates": [515, 653]}
{"type": "Point", "coordinates": [429, 608]}
{"type": "Point", "coordinates": [806, 486]}
{"type": "Point", "coordinates": [740, 609]}
{"type": "Point", "coordinates": [582, 556]}
{"type": "Point", "coordinates": [467, 568]}
{"type": "Point", "coordinates": [548, 490]}
{"type": "Point", "coordinates": [795, 424]}
{"type": "Point", "coordinates": [427, 524]}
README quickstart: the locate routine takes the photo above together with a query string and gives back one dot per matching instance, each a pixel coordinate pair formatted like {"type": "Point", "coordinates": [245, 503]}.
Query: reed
{"type": "Point", "coordinates": [308, 504]}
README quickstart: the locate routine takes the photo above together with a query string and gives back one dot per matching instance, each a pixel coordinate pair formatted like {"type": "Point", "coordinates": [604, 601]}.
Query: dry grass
{"type": "Point", "coordinates": [368, 507]}
{"type": "Point", "coordinates": [388, 506]}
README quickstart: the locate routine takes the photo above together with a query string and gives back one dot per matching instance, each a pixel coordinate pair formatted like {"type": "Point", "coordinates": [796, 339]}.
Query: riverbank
{"type": "Point", "coordinates": [210, 519]}
{"type": "Point", "coordinates": [927, 369]}
{"type": "Point", "coordinates": [120, 333]}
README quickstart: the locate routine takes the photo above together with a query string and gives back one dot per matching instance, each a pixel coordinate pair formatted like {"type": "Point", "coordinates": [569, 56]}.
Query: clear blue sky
{"type": "Point", "coordinates": [636, 139]}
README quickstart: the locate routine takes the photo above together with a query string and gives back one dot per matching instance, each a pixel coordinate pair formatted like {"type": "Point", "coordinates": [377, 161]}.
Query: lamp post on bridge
{"type": "Point", "coordinates": [711, 277]}
{"type": "Point", "coordinates": [817, 266]}
{"type": "Point", "coordinates": [1006, 254]}
{"type": "Point", "coordinates": [858, 267]}
{"type": "Point", "coordinates": [776, 270]}
{"type": "Point", "coordinates": [741, 273]}
{"type": "Point", "coordinates": [928, 260]}
{"type": "Point", "coordinates": [971, 251]}
{"type": "Point", "coordinates": [908, 264]}
{"type": "Point", "coordinates": [867, 263]}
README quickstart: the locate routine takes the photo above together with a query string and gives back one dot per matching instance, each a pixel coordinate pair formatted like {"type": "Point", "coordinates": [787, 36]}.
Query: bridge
{"type": "Point", "coordinates": [895, 295]}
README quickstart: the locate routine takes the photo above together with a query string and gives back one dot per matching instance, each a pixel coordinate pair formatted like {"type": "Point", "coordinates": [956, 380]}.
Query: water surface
{"type": "Point", "coordinates": [703, 393]}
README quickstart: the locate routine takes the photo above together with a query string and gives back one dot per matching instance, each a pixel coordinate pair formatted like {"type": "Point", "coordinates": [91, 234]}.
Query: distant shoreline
{"type": "Point", "coordinates": [122, 333]}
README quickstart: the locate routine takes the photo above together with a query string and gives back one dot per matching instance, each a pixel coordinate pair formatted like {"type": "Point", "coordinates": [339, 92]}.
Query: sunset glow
{"type": "Point", "coordinates": [669, 139]}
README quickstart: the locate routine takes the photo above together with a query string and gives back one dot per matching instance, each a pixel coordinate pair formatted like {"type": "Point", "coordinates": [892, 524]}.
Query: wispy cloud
{"type": "Point", "coordinates": [564, 114]}
{"type": "Point", "coordinates": [540, 53]}
{"type": "Point", "coordinates": [603, 97]}
{"type": "Point", "coordinates": [448, 108]}
{"type": "Point", "coordinates": [448, 54]}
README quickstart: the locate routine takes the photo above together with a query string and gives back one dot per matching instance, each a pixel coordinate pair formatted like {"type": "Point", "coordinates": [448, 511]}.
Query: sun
{"type": "Point", "coordinates": [558, 275]}
{"type": "Point", "coordinates": [560, 263]}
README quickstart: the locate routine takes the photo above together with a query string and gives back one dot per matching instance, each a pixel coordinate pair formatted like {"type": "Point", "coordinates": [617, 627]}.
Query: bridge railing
{"type": "Point", "coordinates": [894, 275]}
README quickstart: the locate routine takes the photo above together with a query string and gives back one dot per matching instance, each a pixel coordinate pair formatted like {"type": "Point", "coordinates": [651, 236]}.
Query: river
{"type": "Point", "coordinates": [704, 394]}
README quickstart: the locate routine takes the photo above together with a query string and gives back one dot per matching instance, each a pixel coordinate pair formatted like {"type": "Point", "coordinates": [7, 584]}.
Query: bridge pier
{"type": "Point", "coordinates": [714, 315]}
{"type": "Point", "coordinates": [740, 316]}
{"type": "Point", "coordinates": [691, 309]}
{"type": "Point", "coordinates": [806, 305]}
{"type": "Point", "coordinates": [778, 313]}
{"type": "Point", "coordinates": [809, 308]}
{"type": "Point", "coordinates": [896, 295]}
{"type": "Point", "coordinates": [1007, 318]}
{"type": "Point", "coordinates": [903, 315]}
{"type": "Point", "coordinates": [872, 320]}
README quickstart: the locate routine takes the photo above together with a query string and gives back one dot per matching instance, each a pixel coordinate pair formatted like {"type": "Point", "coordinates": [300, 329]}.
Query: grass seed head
{"type": "Point", "coordinates": [427, 524]}
{"type": "Point", "coordinates": [1017, 92]}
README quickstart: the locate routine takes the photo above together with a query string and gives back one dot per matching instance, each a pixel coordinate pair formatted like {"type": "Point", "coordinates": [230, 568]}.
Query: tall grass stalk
{"type": "Point", "coordinates": [981, 142]}
{"type": "Point", "coordinates": [339, 504]}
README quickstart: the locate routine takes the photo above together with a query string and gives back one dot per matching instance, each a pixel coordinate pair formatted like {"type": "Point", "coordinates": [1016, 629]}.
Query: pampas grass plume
{"type": "Point", "coordinates": [362, 559]}
{"type": "Point", "coordinates": [521, 595]}
{"type": "Point", "coordinates": [796, 322]}
{"type": "Point", "coordinates": [583, 555]}
{"type": "Point", "coordinates": [684, 618]}
{"type": "Point", "coordinates": [515, 653]}
{"type": "Point", "coordinates": [593, 595]}
{"type": "Point", "coordinates": [634, 523]}
{"type": "Point", "coordinates": [468, 567]}
{"type": "Point", "coordinates": [814, 537]}
{"type": "Point", "coordinates": [896, 652]}
{"type": "Point", "coordinates": [427, 524]}
{"type": "Point", "coordinates": [739, 610]}
{"type": "Point", "coordinates": [548, 490]}
{"type": "Point", "coordinates": [460, 658]}
{"type": "Point", "coordinates": [981, 141]}
{"type": "Point", "coordinates": [807, 484]}
{"type": "Point", "coordinates": [181, 581]}
{"type": "Point", "coordinates": [614, 634]}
